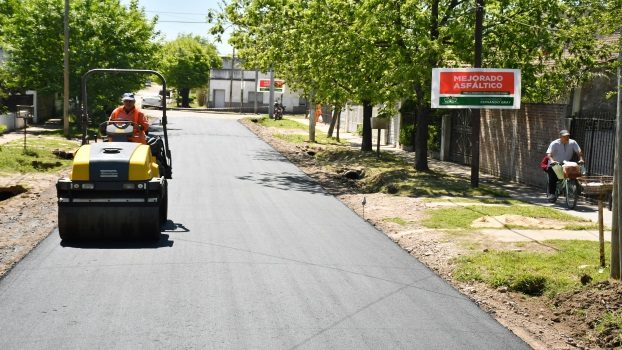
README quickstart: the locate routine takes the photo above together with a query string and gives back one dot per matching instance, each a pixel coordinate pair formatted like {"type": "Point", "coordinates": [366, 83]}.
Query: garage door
{"type": "Point", "coordinates": [219, 98]}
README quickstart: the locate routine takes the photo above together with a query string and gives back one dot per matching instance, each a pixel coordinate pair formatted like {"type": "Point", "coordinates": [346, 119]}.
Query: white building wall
{"type": "Point", "coordinates": [246, 81]}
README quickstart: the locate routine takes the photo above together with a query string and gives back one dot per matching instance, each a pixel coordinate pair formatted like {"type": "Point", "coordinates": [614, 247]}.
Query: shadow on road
{"type": "Point", "coordinates": [171, 226]}
{"type": "Point", "coordinates": [163, 242]}
{"type": "Point", "coordinates": [269, 156]}
{"type": "Point", "coordinates": [285, 182]}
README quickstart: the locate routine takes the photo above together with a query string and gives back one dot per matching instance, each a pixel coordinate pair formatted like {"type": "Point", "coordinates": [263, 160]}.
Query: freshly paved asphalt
{"type": "Point", "coordinates": [256, 256]}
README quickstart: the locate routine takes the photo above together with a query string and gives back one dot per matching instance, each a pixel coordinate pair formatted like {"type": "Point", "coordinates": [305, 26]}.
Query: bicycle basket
{"type": "Point", "coordinates": [596, 185]}
{"type": "Point", "coordinates": [572, 171]}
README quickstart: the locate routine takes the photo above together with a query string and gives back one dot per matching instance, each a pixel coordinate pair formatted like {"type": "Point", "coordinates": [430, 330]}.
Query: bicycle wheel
{"type": "Point", "coordinates": [572, 192]}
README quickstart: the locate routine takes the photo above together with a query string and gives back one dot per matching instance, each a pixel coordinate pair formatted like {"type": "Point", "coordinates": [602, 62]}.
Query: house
{"type": "Point", "coordinates": [235, 88]}
{"type": "Point", "coordinates": [17, 102]}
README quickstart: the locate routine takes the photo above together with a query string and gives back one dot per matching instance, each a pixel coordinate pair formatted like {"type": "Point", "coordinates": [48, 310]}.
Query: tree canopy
{"type": "Point", "coordinates": [186, 63]}
{"type": "Point", "coordinates": [103, 34]}
{"type": "Point", "coordinates": [384, 50]}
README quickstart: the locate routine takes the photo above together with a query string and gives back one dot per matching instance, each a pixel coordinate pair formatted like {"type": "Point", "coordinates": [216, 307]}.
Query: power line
{"type": "Point", "coordinates": [203, 22]}
{"type": "Point", "coordinates": [179, 13]}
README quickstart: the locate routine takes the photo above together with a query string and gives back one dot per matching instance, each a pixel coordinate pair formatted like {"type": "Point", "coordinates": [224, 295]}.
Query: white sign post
{"type": "Point", "coordinates": [264, 85]}
{"type": "Point", "coordinates": [488, 88]}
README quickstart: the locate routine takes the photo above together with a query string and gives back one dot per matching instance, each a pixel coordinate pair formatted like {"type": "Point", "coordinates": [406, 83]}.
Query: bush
{"type": "Point", "coordinates": [434, 141]}
{"type": "Point", "coordinates": [406, 134]}
{"type": "Point", "coordinates": [359, 129]}
{"type": "Point", "coordinates": [2, 129]}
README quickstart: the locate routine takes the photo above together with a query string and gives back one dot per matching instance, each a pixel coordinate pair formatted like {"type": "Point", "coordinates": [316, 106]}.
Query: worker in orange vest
{"type": "Point", "coordinates": [318, 112]}
{"type": "Point", "coordinates": [129, 112]}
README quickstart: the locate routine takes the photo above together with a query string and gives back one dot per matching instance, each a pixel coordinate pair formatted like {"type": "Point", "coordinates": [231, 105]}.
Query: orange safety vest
{"type": "Point", "coordinates": [135, 116]}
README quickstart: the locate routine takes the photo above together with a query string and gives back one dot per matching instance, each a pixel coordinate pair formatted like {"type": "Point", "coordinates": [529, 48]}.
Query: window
{"type": "Point", "coordinates": [254, 94]}
{"type": "Point", "coordinates": [302, 101]}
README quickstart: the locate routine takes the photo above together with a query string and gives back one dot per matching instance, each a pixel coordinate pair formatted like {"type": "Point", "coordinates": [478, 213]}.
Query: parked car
{"type": "Point", "coordinates": [152, 101]}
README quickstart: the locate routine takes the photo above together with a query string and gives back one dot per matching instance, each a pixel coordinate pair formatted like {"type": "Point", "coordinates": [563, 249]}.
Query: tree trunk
{"type": "Point", "coordinates": [421, 138]}
{"type": "Point", "coordinates": [185, 97]}
{"type": "Point", "coordinates": [366, 145]}
{"type": "Point", "coordinates": [336, 114]}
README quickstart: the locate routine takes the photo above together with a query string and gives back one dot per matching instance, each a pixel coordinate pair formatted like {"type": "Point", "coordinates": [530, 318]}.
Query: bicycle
{"type": "Point", "coordinates": [567, 183]}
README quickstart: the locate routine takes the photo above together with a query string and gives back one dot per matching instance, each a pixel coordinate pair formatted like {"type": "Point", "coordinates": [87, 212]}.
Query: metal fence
{"type": "Point", "coordinates": [460, 142]}
{"type": "Point", "coordinates": [595, 132]}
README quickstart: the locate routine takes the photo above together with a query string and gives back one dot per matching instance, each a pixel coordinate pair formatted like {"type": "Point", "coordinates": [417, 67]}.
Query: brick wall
{"type": "Point", "coordinates": [513, 142]}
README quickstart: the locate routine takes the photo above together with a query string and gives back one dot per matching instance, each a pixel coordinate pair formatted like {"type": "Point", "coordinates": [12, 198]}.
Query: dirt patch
{"type": "Point", "coordinates": [27, 218]}
{"type": "Point", "coordinates": [515, 220]}
{"type": "Point", "coordinates": [543, 323]}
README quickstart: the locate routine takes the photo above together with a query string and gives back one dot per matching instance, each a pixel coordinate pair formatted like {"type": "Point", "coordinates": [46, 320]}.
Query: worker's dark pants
{"type": "Point", "coordinates": [552, 180]}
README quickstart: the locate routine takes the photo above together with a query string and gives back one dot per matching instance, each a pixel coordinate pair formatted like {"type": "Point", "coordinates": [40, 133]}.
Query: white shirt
{"type": "Point", "coordinates": [563, 152]}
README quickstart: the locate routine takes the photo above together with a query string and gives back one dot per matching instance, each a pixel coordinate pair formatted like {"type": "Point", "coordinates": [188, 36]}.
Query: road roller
{"type": "Point", "coordinates": [116, 189]}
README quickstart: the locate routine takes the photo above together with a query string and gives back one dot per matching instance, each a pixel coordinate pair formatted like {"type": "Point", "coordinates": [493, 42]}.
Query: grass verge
{"type": "Point", "coordinates": [37, 157]}
{"type": "Point", "coordinates": [461, 217]}
{"type": "Point", "coordinates": [392, 174]}
{"type": "Point", "coordinates": [536, 273]}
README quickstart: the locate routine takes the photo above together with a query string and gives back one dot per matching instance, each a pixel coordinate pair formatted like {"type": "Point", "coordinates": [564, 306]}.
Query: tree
{"type": "Point", "coordinates": [561, 49]}
{"type": "Point", "coordinates": [187, 61]}
{"type": "Point", "coordinates": [103, 34]}
{"type": "Point", "coordinates": [374, 51]}
{"type": "Point", "coordinates": [318, 47]}
{"type": "Point", "coordinates": [6, 12]}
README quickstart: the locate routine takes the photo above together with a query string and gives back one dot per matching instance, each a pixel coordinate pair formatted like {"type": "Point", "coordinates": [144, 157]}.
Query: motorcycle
{"type": "Point", "coordinates": [278, 111]}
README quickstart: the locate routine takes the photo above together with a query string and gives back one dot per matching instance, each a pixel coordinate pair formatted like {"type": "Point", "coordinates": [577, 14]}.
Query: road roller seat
{"type": "Point", "coordinates": [118, 130]}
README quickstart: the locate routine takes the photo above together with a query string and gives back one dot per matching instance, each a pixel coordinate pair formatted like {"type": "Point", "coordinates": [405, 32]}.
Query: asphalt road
{"type": "Point", "coordinates": [256, 256]}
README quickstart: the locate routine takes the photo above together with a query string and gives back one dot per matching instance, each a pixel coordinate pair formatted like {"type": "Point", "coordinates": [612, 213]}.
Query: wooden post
{"type": "Point", "coordinates": [378, 145]}
{"type": "Point", "coordinates": [66, 71]}
{"type": "Point", "coordinates": [475, 115]}
{"type": "Point", "coordinates": [601, 234]}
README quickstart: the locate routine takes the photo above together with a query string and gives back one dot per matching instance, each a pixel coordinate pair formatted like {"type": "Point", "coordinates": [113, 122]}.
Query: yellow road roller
{"type": "Point", "coordinates": [116, 189]}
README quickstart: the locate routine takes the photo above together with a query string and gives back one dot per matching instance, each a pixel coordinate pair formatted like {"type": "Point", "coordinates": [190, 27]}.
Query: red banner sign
{"type": "Point", "coordinates": [497, 83]}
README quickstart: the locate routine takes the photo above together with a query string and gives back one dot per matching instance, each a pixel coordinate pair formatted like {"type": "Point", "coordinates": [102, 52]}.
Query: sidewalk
{"type": "Point", "coordinates": [518, 191]}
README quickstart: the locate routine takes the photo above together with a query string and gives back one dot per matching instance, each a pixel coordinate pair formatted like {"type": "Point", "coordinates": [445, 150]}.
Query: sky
{"type": "Point", "coordinates": [183, 17]}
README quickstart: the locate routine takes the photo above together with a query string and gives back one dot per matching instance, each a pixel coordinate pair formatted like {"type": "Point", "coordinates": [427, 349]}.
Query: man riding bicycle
{"type": "Point", "coordinates": [562, 150]}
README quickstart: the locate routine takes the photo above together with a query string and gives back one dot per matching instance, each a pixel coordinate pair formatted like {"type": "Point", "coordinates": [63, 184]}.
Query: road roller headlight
{"type": "Point", "coordinates": [141, 186]}
{"type": "Point", "coordinates": [76, 186]}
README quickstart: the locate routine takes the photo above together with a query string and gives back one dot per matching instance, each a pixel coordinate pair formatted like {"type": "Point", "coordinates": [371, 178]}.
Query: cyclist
{"type": "Point", "coordinates": [561, 150]}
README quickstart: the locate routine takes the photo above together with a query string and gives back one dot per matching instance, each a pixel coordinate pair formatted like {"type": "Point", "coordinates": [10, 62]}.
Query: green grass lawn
{"type": "Point", "coordinates": [461, 217]}
{"type": "Point", "coordinates": [284, 123]}
{"type": "Point", "coordinates": [289, 124]}
{"type": "Point", "coordinates": [38, 156]}
{"type": "Point", "coordinates": [535, 273]}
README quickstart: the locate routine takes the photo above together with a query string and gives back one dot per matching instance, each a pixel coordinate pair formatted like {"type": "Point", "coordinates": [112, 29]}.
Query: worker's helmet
{"type": "Point", "coordinates": [128, 96]}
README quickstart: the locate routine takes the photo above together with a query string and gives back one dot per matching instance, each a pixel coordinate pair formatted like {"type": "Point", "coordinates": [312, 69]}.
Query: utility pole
{"type": "Point", "coordinates": [617, 195]}
{"type": "Point", "coordinates": [231, 78]}
{"type": "Point", "coordinates": [271, 107]}
{"type": "Point", "coordinates": [312, 118]}
{"type": "Point", "coordinates": [256, 92]}
{"type": "Point", "coordinates": [66, 73]}
{"type": "Point", "coordinates": [475, 113]}
{"type": "Point", "coordinates": [241, 90]}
